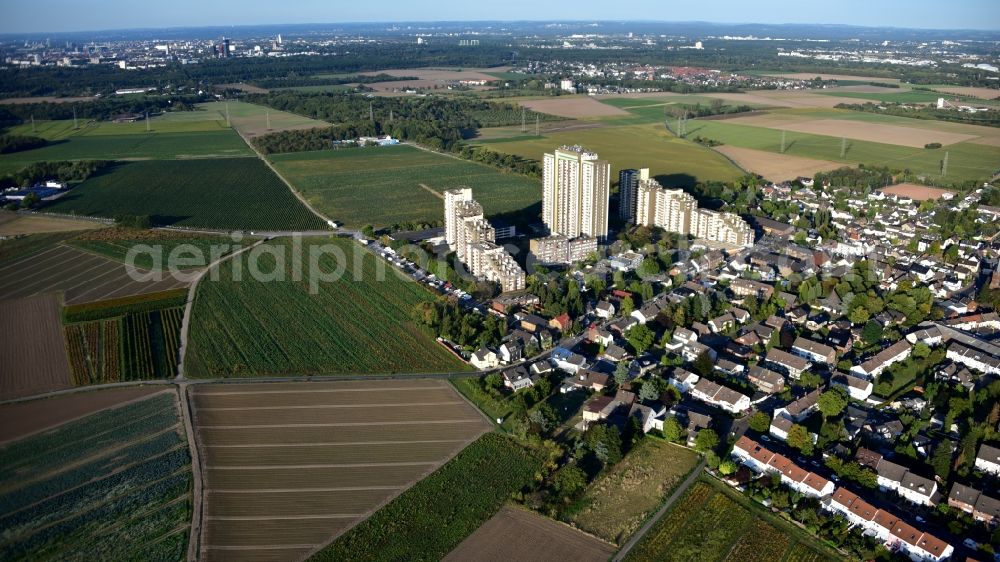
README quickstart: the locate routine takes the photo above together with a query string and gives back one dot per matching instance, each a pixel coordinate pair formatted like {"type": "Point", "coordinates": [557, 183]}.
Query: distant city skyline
{"type": "Point", "coordinates": [55, 16]}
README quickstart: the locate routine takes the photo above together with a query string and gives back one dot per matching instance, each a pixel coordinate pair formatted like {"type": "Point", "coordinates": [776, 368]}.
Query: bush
{"type": "Point", "coordinates": [932, 145]}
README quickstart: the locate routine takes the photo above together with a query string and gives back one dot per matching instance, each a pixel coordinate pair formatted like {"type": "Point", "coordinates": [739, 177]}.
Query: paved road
{"type": "Point", "coordinates": [623, 552]}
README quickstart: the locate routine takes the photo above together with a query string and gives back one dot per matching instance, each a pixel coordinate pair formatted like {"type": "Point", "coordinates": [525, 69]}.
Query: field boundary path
{"type": "Point", "coordinates": [431, 190]}
{"type": "Point", "coordinates": [275, 171]}
{"type": "Point", "coordinates": [634, 540]}
{"type": "Point", "coordinates": [197, 507]}
{"type": "Point", "coordinates": [189, 306]}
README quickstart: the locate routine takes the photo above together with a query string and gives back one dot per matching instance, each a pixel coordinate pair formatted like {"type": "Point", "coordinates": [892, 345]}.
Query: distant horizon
{"type": "Point", "coordinates": [484, 21]}
{"type": "Point", "coordinates": [65, 16]}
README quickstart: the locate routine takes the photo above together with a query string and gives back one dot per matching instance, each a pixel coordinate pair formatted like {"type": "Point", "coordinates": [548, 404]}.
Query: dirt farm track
{"type": "Point", "coordinates": [289, 466]}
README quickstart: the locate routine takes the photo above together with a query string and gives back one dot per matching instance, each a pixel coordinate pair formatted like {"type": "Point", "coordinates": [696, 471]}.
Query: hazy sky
{"type": "Point", "coordinates": [18, 16]}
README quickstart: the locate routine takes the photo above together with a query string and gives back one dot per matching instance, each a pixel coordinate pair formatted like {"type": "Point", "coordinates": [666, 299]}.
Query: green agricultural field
{"type": "Point", "coordinates": [966, 160]}
{"type": "Point", "coordinates": [384, 186]}
{"type": "Point", "coordinates": [430, 519]}
{"type": "Point", "coordinates": [358, 323]}
{"type": "Point", "coordinates": [676, 162]}
{"type": "Point", "coordinates": [713, 524]}
{"type": "Point", "coordinates": [115, 485]}
{"type": "Point", "coordinates": [251, 119]}
{"type": "Point", "coordinates": [230, 193]}
{"type": "Point", "coordinates": [616, 504]}
{"type": "Point", "coordinates": [904, 96]}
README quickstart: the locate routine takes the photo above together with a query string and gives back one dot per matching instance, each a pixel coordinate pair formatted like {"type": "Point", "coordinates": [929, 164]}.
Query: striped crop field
{"type": "Point", "coordinates": [357, 323]}
{"type": "Point", "coordinates": [290, 466]}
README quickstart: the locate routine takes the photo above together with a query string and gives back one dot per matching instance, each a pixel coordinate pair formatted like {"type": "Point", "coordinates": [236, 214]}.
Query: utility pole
{"type": "Point", "coordinates": [75, 125]}
{"type": "Point", "coordinates": [537, 133]}
{"type": "Point", "coordinates": [523, 127]}
{"type": "Point", "coordinates": [147, 120]}
{"type": "Point", "coordinates": [228, 124]}
{"type": "Point", "coordinates": [782, 142]}
{"type": "Point", "coordinates": [371, 111]}
{"type": "Point", "coordinates": [390, 115]}
{"type": "Point", "coordinates": [944, 165]}
{"type": "Point", "coordinates": [843, 146]}
{"type": "Point", "coordinates": [33, 123]}
{"type": "Point", "coordinates": [267, 115]}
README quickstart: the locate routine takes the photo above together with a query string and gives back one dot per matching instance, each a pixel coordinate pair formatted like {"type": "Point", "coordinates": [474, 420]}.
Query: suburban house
{"type": "Point", "coordinates": [517, 378]}
{"type": "Point", "coordinates": [604, 310]}
{"type": "Point", "coordinates": [988, 459]}
{"type": "Point", "coordinates": [814, 351]}
{"type": "Point", "coordinates": [683, 380]}
{"type": "Point", "coordinates": [780, 426]}
{"type": "Point", "coordinates": [484, 358]}
{"type": "Point", "coordinates": [510, 351]}
{"type": "Point", "coordinates": [585, 379]}
{"type": "Point", "coordinates": [874, 366]}
{"type": "Point", "coordinates": [792, 365]}
{"type": "Point", "coordinates": [561, 322]}
{"type": "Point", "coordinates": [766, 380]}
{"type": "Point", "coordinates": [801, 408]}
{"type": "Point", "coordinates": [748, 287]}
{"type": "Point", "coordinates": [721, 323]}
{"type": "Point", "coordinates": [720, 396]}
{"type": "Point", "coordinates": [856, 387]}
{"type": "Point", "coordinates": [970, 500]}
{"type": "Point", "coordinates": [566, 360]}
{"type": "Point", "coordinates": [532, 323]}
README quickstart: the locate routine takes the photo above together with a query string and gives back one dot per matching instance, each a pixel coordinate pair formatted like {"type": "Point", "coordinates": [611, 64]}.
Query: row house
{"type": "Point", "coordinates": [856, 387]}
{"type": "Point", "coordinates": [720, 396]}
{"type": "Point", "coordinates": [792, 365]}
{"type": "Point", "coordinates": [766, 380]}
{"type": "Point", "coordinates": [910, 486]}
{"type": "Point", "coordinates": [891, 530]}
{"type": "Point", "coordinates": [814, 351]}
{"type": "Point", "coordinates": [977, 504]}
{"type": "Point", "coordinates": [877, 364]}
{"type": "Point", "coordinates": [761, 460]}
{"type": "Point", "coordinates": [988, 459]}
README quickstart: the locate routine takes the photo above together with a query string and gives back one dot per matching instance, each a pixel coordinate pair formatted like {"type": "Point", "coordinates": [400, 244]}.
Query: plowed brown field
{"type": "Point", "coordinates": [289, 466]}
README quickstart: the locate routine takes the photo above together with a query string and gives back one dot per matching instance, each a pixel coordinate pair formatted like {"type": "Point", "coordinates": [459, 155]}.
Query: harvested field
{"type": "Point", "coordinates": [22, 419]}
{"type": "Point", "coordinates": [538, 539]}
{"type": "Point", "coordinates": [878, 132]}
{"type": "Point", "coordinates": [982, 93]}
{"type": "Point", "coordinates": [82, 276]}
{"type": "Point", "coordinates": [574, 107]}
{"type": "Point", "coordinates": [802, 99]}
{"type": "Point", "coordinates": [12, 224]}
{"type": "Point", "coordinates": [776, 167]}
{"type": "Point", "coordinates": [866, 89]}
{"type": "Point", "coordinates": [243, 87]}
{"type": "Point", "coordinates": [289, 466]}
{"type": "Point", "coordinates": [916, 192]}
{"type": "Point", "coordinates": [31, 346]}
{"type": "Point", "coordinates": [825, 76]}
{"type": "Point", "coordinates": [914, 137]}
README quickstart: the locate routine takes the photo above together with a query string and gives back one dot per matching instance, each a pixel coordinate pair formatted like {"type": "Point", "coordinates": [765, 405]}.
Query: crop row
{"type": "Point", "coordinates": [126, 305]}
{"type": "Point", "coordinates": [127, 494]}
{"type": "Point", "coordinates": [254, 328]}
{"type": "Point", "coordinates": [434, 516]}
{"type": "Point", "coordinates": [108, 429]}
{"type": "Point", "coordinates": [94, 352]}
{"type": "Point", "coordinates": [761, 543]}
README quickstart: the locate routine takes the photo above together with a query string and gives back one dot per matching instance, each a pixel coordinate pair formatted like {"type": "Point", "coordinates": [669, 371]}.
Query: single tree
{"type": "Point", "coordinates": [649, 391]}
{"type": "Point", "coordinates": [707, 440]}
{"type": "Point", "coordinates": [760, 422]}
{"type": "Point", "coordinates": [672, 430]}
{"type": "Point", "coordinates": [832, 402]}
{"type": "Point", "coordinates": [799, 438]}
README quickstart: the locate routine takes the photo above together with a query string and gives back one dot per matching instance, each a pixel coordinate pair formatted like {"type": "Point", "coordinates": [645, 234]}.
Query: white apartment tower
{"type": "Point", "coordinates": [452, 198]}
{"type": "Point", "coordinates": [575, 189]}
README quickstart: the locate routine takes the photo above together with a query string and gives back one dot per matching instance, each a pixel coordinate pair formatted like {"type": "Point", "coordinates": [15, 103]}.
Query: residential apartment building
{"type": "Point", "coordinates": [473, 239]}
{"type": "Point", "coordinates": [559, 249]}
{"type": "Point", "coordinates": [675, 210]}
{"type": "Point", "coordinates": [628, 185]}
{"type": "Point", "coordinates": [575, 188]}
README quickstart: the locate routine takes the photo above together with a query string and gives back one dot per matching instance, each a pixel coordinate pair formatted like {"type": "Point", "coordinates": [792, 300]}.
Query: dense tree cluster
{"type": "Point", "coordinates": [33, 173]}
{"type": "Point", "coordinates": [987, 118]}
{"type": "Point", "coordinates": [17, 143]}
{"type": "Point", "coordinates": [100, 109]}
{"type": "Point", "coordinates": [447, 320]}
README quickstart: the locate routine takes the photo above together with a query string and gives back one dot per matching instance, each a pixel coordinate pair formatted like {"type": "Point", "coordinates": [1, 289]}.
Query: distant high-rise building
{"type": "Point", "coordinates": [628, 185]}
{"type": "Point", "coordinates": [223, 48]}
{"type": "Point", "coordinates": [675, 210]}
{"type": "Point", "coordinates": [575, 189]}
